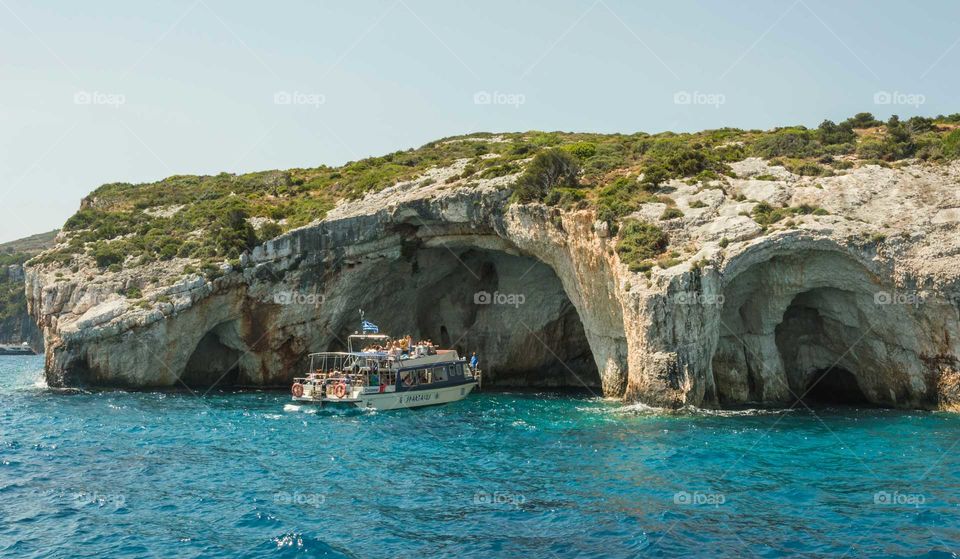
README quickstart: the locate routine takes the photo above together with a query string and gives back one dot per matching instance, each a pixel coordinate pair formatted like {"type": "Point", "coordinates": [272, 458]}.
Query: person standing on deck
{"type": "Point", "coordinates": [474, 361]}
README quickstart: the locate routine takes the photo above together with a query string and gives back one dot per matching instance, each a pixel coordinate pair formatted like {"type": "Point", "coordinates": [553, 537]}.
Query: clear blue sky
{"type": "Point", "coordinates": [106, 91]}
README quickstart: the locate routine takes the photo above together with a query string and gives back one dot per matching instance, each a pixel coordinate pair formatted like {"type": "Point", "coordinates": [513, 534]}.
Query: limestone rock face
{"type": "Point", "coordinates": [855, 303]}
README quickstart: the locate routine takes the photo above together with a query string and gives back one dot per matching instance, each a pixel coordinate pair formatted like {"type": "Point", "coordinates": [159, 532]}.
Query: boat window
{"type": "Point", "coordinates": [439, 374]}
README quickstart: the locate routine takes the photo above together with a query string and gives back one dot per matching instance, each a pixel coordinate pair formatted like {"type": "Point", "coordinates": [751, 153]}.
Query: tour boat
{"type": "Point", "coordinates": [23, 349]}
{"type": "Point", "coordinates": [382, 373]}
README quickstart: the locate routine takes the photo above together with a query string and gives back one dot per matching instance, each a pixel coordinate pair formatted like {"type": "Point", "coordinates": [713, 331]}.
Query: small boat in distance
{"type": "Point", "coordinates": [382, 373]}
{"type": "Point", "coordinates": [22, 349]}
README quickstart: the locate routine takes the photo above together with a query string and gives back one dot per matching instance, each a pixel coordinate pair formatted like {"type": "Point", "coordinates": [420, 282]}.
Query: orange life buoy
{"type": "Point", "coordinates": [296, 390]}
{"type": "Point", "coordinates": [341, 390]}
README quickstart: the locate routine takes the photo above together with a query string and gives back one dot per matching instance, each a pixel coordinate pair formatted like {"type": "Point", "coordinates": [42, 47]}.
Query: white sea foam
{"type": "Point", "coordinates": [644, 409]}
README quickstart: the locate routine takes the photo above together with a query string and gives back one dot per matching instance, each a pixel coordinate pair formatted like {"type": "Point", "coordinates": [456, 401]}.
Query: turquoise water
{"type": "Point", "coordinates": [237, 475]}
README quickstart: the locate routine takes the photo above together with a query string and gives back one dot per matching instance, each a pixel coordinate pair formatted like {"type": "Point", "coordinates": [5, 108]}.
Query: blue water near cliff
{"type": "Point", "coordinates": [123, 474]}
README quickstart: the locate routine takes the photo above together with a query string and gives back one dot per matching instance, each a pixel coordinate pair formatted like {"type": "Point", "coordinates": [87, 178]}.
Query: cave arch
{"type": "Point", "coordinates": [216, 359]}
{"type": "Point", "coordinates": [817, 332]}
{"type": "Point", "coordinates": [812, 323]}
{"type": "Point", "coordinates": [510, 308]}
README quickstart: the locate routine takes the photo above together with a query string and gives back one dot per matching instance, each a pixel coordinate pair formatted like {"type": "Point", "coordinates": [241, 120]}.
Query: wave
{"type": "Point", "coordinates": [646, 410]}
{"type": "Point", "coordinates": [296, 544]}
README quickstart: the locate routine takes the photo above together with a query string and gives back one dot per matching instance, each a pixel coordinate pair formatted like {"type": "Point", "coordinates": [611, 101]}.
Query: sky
{"type": "Point", "coordinates": [115, 91]}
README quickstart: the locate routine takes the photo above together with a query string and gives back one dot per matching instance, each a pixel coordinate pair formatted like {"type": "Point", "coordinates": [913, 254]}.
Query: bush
{"type": "Point", "coordinates": [765, 214]}
{"type": "Point", "coordinates": [654, 176]}
{"type": "Point", "coordinates": [951, 145]}
{"type": "Point", "coordinates": [233, 234]}
{"type": "Point", "coordinates": [566, 198]}
{"type": "Point", "coordinates": [807, 169]}
{"type": "Point", "coordinates": [621, 197]}
{"type": "Point", "coordinates": [862, 120]}
{"type": "Point", "coordinates": [268, 231]}
{"type": "Point", "coordinates": [897, 143]}
{"type": "Point", "coordinates": [107, 254]}
{"type": "Point", "coordinates": [829, 133]}
{"type": "Point", "coordinates": [640, 241]}
{"type": "Point", "coordinates": [671, 213]}
{"type": "Point", "coordinates": [582, 150]}
{"type": "Point", "coordinates": [789, 142]}
{"type": "Point", "coordinates": [549, 169]}
{"type": "Point", "coordinates": [919, 124]}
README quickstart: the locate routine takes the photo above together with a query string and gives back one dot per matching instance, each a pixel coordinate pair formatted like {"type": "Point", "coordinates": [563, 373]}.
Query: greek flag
{"type": "Point", "coordinates": [369, 327]}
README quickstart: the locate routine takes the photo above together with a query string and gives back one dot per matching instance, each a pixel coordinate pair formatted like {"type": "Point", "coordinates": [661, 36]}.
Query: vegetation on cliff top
{"type": "Point", "coordinates": [211, 219]}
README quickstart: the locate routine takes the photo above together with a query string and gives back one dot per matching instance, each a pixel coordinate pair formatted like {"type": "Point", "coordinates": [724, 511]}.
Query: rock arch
{"type": "Point", "coordinates": [821, 320]}
{"type": "Point", "coordinates": [474, 292]}
{"type": "Point", "coordinates": [216, 359]}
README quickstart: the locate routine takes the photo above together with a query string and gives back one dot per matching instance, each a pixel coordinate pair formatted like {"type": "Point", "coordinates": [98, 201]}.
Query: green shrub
{"type": "Point", "coordinates": [268, 231]}
{"type": "Point", "coordinates": [919, 124]}
{"type": "Point", "coordinates": [951, 145]}
{"type": "Point", "coordinates": [232, 233]}
{"type": "Point", "coordinates": [566, 198]}
{"type": "Point", "coordinates": [621, 197]}
{"type": "Point", "coordinates": [671, 213]}
{"type": "Point", "coordinates": [829, 133]}
{"type": "Point", "coordinates": [640, 241]}
{"type": "Point", "coordinates": [582, 150]}
{"type": "Point", "coordinates": [549, 169]}
{"type": "Point", "coordinates": [499, 171]}
{"type": "Point", "coordinates": [654, 176]}
{"type": "Point", "coordinates": [788, 142]}
{"type": "Point", "coordinates": [862, 120]}
{"type": "Point", "coordinates": [107, 254]}
{"type": "Point", "coordinates": [807, 169]}
{"type": "Point", "coordinates": [765, 214]}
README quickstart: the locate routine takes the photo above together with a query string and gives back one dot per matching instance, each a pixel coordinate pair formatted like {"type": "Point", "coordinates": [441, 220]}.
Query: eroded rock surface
{"type": "Point", "coordinates": [857, 302]}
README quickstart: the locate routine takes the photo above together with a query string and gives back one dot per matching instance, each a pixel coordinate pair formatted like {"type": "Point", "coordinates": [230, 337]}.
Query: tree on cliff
{"type": "Point", "coordinates": [232, 233]}
{"type": "Point", "coordinates": [548, 170]}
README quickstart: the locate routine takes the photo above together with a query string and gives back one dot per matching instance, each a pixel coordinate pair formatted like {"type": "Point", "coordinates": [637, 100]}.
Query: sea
{"type": "Point", "coordinates": [248, 474]}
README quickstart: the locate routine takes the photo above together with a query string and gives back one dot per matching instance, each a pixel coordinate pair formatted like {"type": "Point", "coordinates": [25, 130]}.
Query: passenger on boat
{"type": "Point", "coordinates": [474, 361]}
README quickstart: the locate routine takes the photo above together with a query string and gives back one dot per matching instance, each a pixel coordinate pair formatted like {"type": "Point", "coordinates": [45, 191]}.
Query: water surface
{"type": "Point", "coordinates": [499, 475]}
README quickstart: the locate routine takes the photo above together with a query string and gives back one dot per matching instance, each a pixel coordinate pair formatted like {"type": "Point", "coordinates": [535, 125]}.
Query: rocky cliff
{"type": "Point", "coordinates": [769, 285]}
{"type": "Point", "coordinates": [16, 325]}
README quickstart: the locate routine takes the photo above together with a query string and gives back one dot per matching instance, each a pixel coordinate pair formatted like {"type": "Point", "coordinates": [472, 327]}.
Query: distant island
{"type": "Point", "coordinates": [16, 326]}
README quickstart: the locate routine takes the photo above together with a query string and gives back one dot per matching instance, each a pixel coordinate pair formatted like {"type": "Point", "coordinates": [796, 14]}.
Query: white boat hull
{"type": "Point", "coordinates": [393, 400]}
